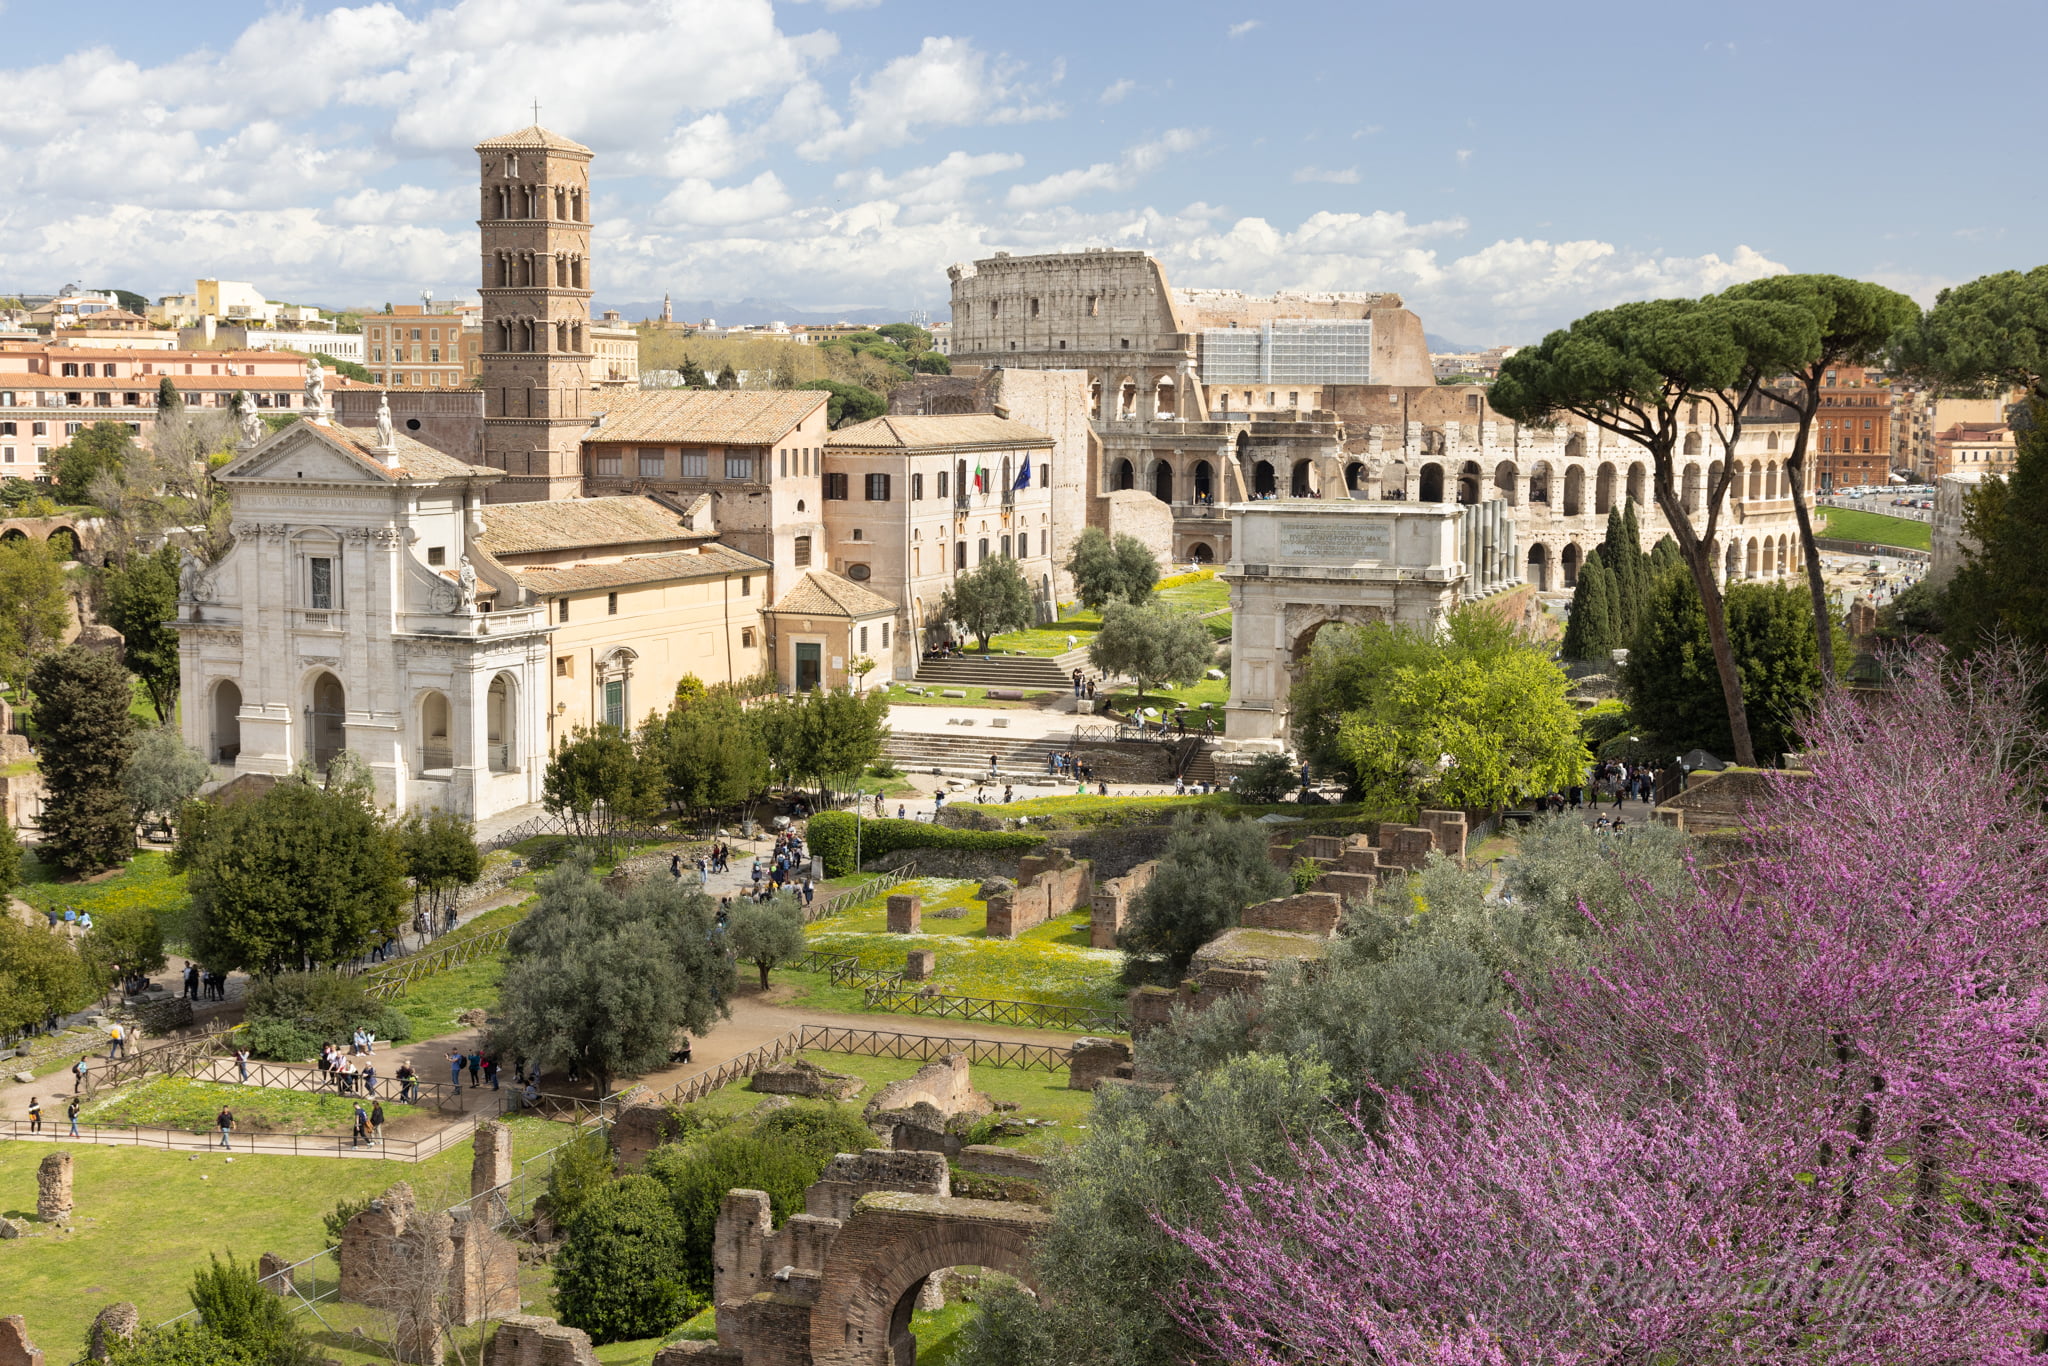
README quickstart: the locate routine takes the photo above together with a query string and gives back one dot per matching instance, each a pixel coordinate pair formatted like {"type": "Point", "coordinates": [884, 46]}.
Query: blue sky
{"type": "Point", "coordinates": [1505, 167]}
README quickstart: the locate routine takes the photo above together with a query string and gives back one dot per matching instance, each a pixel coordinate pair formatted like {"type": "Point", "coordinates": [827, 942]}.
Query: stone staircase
{"type": "Point", "coordinates": [1054, 673]}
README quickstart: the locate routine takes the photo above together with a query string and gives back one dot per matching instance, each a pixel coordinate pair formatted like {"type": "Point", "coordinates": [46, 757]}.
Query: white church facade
{"type": "Point", "coordinates": [356, 611]}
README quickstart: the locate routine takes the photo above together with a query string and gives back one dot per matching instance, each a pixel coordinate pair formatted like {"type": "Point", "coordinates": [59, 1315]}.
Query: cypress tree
{"type": "Point", "coordinates": [1665, 556]}
{"type": "Point", "coordinates": [1621, 585]}
{"type": "Point", "coordinates": [168, 399]}
{"type": "Point", "coordinates": [1591, 633]}
{"type": "Point", "coordinates": [81, 715]}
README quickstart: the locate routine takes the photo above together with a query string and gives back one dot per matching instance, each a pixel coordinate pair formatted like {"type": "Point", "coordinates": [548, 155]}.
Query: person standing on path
{"type": "Point", "coordinates": [242, 1062]}
{"type": "Point", "coordinates": [117, 1044]}
{"type": "Point", "coordinates": [35, 1115]}
{"type": "Point", "coordinates": [377, 1121]}
{"type": "Point", "coordinates": [476, 1069]}
{"type": "Point", "coordinates": [71, 1113]}
{"type": "Point", "coordinates": [225, 1122]}
{"type": "Point", "coordinates": [78, 1071]}
{"type": "Point", "coordinates": [455, 1061]}
{"type": "Point", "coordinates": [361, 1136]}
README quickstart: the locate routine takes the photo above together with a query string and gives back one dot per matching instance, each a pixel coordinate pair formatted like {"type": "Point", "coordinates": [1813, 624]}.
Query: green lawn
{"type": "Point", "coordinates": [976, 697]}
{"type": "Point", "coordinates": [1214, 691]}
{"type": "Point", "coordinates": [1076, 621]}
{"type": "Point", "coordinates": [1196, 592]}
{"type": "Point", "coordinates": [183, 1104]}
{"type": "Point", "coordinates": [146, 1220]}
{"type": "Point", "coordinates": [1874, 527]}
{"type": "Point", "coordinates": [1051, 963]}
{"type": "Point", "coordinates": [1037, 1095]}
{"type": "Point", "coordinates": [147, 881]}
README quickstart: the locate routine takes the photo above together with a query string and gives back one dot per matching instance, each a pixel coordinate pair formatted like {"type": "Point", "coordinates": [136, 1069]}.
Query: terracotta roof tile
{"type": "Point", "coordinates": [706, 561]}
{"type": "Point", "coordinates": [735, 417]}
{"type": "Point", "coordinates": [820, 593]}
{"type": "Point", "coordinates": [945, 432]}
{"type": "Point", "coordinates": [533, 135]}
{"type": "Point", "coordinates": [573, 523]}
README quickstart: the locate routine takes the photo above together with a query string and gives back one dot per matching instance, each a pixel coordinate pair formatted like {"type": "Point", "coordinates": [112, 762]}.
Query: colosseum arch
{"type": "Point", "coordinates": [1431, 486]}
{"type": "Point", "coordinates": [1469, 478]}
{"type": "Point", "coordinates": [1756, 480]}
{"type": "Point", "coordinates": [1504, 479]}
{"type": "Point", "coordinates": [1263, 483]}
{"type": "Point", "coordinates": [1689, 488]}
{"type": "Point", "coordinates": [1539, 482]}
{"type": "Point", "coordinates": [1205, 482]}
{"type": "Point", "coordinates": [1568, 565]}
{"type": "Point", "coordinates": [1771, 481]}
{"type": "Point", "coordinates": [1539, 566]}
{"type": "Point", "coordinates": [1575, 446]}
{"type": "Point", "coordinates": [1750, 558]}
{"type": "Point", "coordinates": [1301, 482]}
{"type": "Point", "coordinates": [1733, 569]}
{"type": "Point", "coordinates": [1692, 443]}
{"type": "Point", "coordinates": [1163, 393]}
{"type": "Point", "coordinates": [1162, 480]}
{"type": "Point", "coordinates": [1354, 477]}
{"type": "Point", "coordinates": [1574, 490]}
{"type": "Point", "coordinates": [1637, 478]}
{"type": "Point", "coordinates": [880, 1258]}
{"type": "Point", "coordinates": [1603, 487]}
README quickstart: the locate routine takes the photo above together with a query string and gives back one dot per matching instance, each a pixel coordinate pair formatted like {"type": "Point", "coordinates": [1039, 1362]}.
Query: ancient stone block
{"type": "Point", "coordinates": [946, 1085]}
{"type": "Point", "coordinates": [53, 1188]}
{"type": "Point", "coordinates": [919, 965]}
{"type": "Point", "coordinates": [905, 914]}
{"type": "Point", "coordinates": [490, 1164]}
{"type": "Point", "coordinates": [985, 1159]}
{"type": "Point", "coordinates": [1112, 903]}
{"type": "Point", "coordinates": [1346, 885]}
{"type": "Point", "coordinates": [800, 1078]}
{"type": "Point", "coordinates": [118, 1322]}
{"type": "Point", "coordinates": [1058, 886]}
{"type": "Point", "coordinates": [849, 1176]}
{"type": "Point", "coordinates": [1308, 913]}
{"type": "Point", "coordinates": [530, 1340]}
{"type": "Point", "coordinates": [1322, 848]}
{"type": "Point", "coordinates": [637, 1131]}
{"type": "Point", "coordinates": [15, 1348]}
{"type": "Point", "coordinates": [483, 1270]}
{"type": "Point", "coordinates": [273, 1271]}
{"type": "Point", "coordinates": [1448, 829]}
{"type": "Point", "coordinates": [366, 1243]}
{"type": "Point", "coordinates": [1093, 1059]}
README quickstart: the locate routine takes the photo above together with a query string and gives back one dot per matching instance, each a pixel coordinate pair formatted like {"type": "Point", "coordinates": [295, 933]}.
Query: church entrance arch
{"type": "Point", "coordinates": [326, 720]}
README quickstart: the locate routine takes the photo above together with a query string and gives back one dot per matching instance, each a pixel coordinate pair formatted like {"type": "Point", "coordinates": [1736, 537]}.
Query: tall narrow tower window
{"type": "Point", "coordinates": [511, 165]}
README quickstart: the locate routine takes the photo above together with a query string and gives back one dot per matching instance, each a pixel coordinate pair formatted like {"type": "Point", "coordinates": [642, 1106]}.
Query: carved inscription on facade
{"type": "Point", "coordinates": [1369, 541]}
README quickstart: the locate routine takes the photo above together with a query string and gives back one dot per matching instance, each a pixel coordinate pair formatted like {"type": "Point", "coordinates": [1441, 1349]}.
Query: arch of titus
{"type": "Point", "coordinates": [1299, 565]}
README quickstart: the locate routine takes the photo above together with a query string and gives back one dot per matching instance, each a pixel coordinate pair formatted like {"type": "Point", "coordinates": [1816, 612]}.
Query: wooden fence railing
{"type": "Point", "coordinates": [856, 896]}
{"type": "Point", "coordinates": [1023, 1014]}
{"type": "Point", "coordinates": [458, 949]}
{"type": "Point", "coordinates": [101, 1074]}
{"type": "Point", "coordinates": [286, 1077]}
{"type": "Point", "coordinates": [844, 969]}
{"type": "Point", "coordinates": [882, 1043]}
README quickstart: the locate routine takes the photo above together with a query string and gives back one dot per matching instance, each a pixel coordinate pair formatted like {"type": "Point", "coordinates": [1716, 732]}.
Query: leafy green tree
{"type": "Point", "coordinates": [1590, 631]}
{"type": "Point", "coordinates": [39, 976]}
{"type": "Point", "coordinates": [908, 336]}
{"type": "Point", "coordinates": [141, 602]}
{"type": "Point", "coordinates": [1108, 1272]}
{"type": "Point", "coordinates": [1346, 668]}
{"type": "Point", "coordinates": [709, 752]}
{"type": "Point", "coordinates": [820, 1131]}
{"type": "Point", "coordinates": [1669, 681]}
{"type": "Point", "coordinates": [438, 854]}
{"type": "Point", "coordinates": [989, 599]}
{"type": "Point", "coordinates": [178, 1344]}
{"type": "Point", "coordinates": [824, 737]}
{"type": "Point", "coordinates": [1151, 643]}
{"type": "Point", "coordinates": [1265, 780]}
{"type": "Point", "coordinates": [87, 735]}
{"type": "Point", "coordinates": [1983, 336]}
{"type": "Point", "coordinates": [1467, 731]}
{"type": "Point", "coordinates": [1212, 869]}
{"type": "Point", "coordinates": [766, 933]}
{"type": "Point", "coordinates": [689, 689]}
{"type": "Point", "coordinates": [1634, 371]}
{"type": "Point", "coordinates": [1109, 570]}
{"type": "Point", "coordinates": [162, 775]}
{"type": "Point", "coordinates": [10, 858]}
{"type": "Point", "coordinates": [345, 367]}
{"type": "Point", "coordinates": [102, 448]}
{"type": "Point", "coordinates": [298, 875]}
{"type": "Point", "coordinates": [616, 1276]}
{"type": "Point", "coordinates": [728, 378]}
{"type": "Point", "coordinates": [168, 399]}
{"type": "Point", "coordinates": [236, 1306]}
{"type": "Point", "coordinates": [931, 363]}
{"type": "Point", "coordinates": [122, 939]}
{"type": "Point", "coordinates": [850, 403]}
{"type": "Point", "coordinates": [599, 782]}
{"type": "Point", "coordinates": [35, 607]}
{"type": "Point", "coordinates": [698, 1173]}
{"type": "Point", "coordinates": [1858, 320]}
{"type": "Point", "coordinates": [693, 375]}
{"type": "Point", "coordinates": [585, 1166]}
{"type": "Point", "coordinates": [607, 983]}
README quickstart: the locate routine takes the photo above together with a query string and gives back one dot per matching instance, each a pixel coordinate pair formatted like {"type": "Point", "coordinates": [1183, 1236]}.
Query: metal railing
{"type": "Point", "coordinates": [882, 1043]}
{"type": "Point", "coordinates": [1023, 1014]}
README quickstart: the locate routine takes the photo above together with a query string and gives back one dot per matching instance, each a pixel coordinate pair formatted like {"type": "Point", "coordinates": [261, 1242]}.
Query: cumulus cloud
{"type": "Point", "coordinates": [1240, 29]}
{"type": "Point", "coordinates": [1314, 175]}
{"type": "Point", "coordinates": [947, 82]}
{"type": "Point", "coordinates": [1135, 163]}
{"type": "Point", "coordinates": [699, 203]}
{"type": "Point", "coordinates": [1115, 91]}
{"type": "Point", "coordinates": [404, 204]}
{"type": "Point", "coordinates": [928, 190]}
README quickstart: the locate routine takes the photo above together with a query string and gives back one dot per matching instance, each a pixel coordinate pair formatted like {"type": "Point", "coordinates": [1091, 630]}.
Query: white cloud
{"type": "Point", "coordinates": [1141, 159]}
{"type": "Point", "coordinates": [699, 203]}
{"type": "Point", "coordinates": [1312, 175]}
{"type": "Point", "coordinates": [926, 190]}
{"type": "Point", "coordinates": [837, 5]}
{"type": "Point", "coordinates": [405, 204]}
{"type": "Point", "coordinates": [1464, 155]}
{"type": "Point", "coordinates": [947, 82]}
{"type": "Point", "coordinates": [1115, 91]}
{"type": "Point", "coordinates": [1239, 30]}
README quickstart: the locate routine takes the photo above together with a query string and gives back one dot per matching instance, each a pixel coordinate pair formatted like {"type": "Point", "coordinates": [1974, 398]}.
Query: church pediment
{"type": "Point", "coordinates": [300, 453]}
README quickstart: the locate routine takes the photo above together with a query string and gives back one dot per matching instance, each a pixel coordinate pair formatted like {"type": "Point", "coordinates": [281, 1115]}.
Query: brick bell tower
{"type": "Point", "coordinates": [536, 316]}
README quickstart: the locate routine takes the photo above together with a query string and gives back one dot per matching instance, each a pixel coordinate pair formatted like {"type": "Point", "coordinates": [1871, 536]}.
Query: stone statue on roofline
{"type": "Point", "coordinates": [250, 424]}
{"type": "Point", "coordinates": [316, 390]}
{"type": "Point", "coordinates": [385, 438]}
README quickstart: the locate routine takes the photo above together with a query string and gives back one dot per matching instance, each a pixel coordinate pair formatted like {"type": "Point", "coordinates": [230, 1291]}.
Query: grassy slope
{"type": "Point", "coordinates": [1875, 527]}
{"type": "Point", "coordinates": [146, 881]}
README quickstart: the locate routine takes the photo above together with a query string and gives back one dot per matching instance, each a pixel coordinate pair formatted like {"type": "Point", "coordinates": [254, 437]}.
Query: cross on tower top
{"type": "Point", "coordinates": [536, 113]}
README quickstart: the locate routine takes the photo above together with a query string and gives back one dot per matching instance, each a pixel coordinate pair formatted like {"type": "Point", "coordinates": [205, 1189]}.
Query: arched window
{"type": "Point", "coordinates": [1163, 398]}
{"type": "Point", "coordinates": [1771, 481]}
{"type": "Point", "coordinates": [1301, 485]}
{"type": "Point", "coordinates": [1574, 490]}
{"type": "Point", "coordinates": [1162, 481]}
{"type": "Point", "coordinates": [1568, 563]}
{"type": "Point", "coordinates": [436, 753]}
{"type": "Point", "coordinates": [1689, 489]}
{"type": "Point", "coordinates": [1431, 488]}
{"type": "Point", "coordinates": [227, 722]}
{"type": "Point", "coordinates": [1692, 447]}
{"type": "Point", "coordinates": [1468, 483]}
{"type": "Point", "coordinates": [1505, 479]}
{"type": "Point", "coordinates": [1539, 567]}
{"type": "Point", "coordinates": [1095, 400]}
{"type": "Point", "coordinates": [326, 720]}
{"type": "Point", "coordinates": [1733, 568]}
{"type": "Point", "coordinates": [1575, 446]}
{"type": "Point", "coordinates": [1205, 482]}
{"type": "Point", "coordinates": [1756, 485]}
{"type": "Point", "coordinates": [1127, 398]}
{"type": "Point", "coordinates": [1263, 485]}
{"type": "Point", "coordinates": [1603, 488]}
{"type": "Point", "coordinates": [1539, 483]}
{"type": "Point", "coordinates": [1126, 476]}
{"type": "Point", "coordinates": [1635, 483]}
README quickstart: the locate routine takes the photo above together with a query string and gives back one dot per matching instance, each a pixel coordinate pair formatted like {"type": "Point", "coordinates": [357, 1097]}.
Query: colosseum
{"type": "Point", "coordinates": [1197, 398]}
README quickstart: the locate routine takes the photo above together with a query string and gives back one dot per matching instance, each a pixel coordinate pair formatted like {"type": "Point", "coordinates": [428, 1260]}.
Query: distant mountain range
{"type": "Point", "coordinates": [1444, 345]}
{"type": "Point", "coordinates": [750, 312]}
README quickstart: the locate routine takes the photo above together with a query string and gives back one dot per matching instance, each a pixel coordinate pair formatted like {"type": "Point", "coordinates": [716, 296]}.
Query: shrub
{"type": "Point", "coordinates": [583, 1168]}
{"type": "Point", "coordinates": [697, 1176]}
{"type": "Point", "coordinates": [1266, 779]}
{"type": "Point", "coordinates": [831, 835]}
{"type": "Point", "coordinates": [235, 1305]}
{"type": "Point", "coordinates": [1304, 873]}
{"type": "Point", "coordinates": [616, 1275]}
{"type": "Point", "coordinates": [821, 1132]}
{"type": "Point", "coordinates": [181, 1344]}
{"type": "Point", "coordinates": [302, 1010]}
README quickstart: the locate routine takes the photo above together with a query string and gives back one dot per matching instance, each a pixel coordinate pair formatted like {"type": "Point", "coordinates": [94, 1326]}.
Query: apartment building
{"type": "Point", "coordinates": [410, 347]}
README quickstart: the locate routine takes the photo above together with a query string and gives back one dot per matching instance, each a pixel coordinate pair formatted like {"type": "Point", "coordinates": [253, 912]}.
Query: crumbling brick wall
{"type": "Point", "coordinates": [748, 1250]}
{"type": "Point", "coordinates": [529, 1340]}
{"type": "Point", "coordinates": [946, 1085]}
{"type": "Point", "coordinates": [1114, 898]}
{"type": "Point", "coordinates": [1308, 913]}
{"type": "Point", "coordinates": [1049, 885]}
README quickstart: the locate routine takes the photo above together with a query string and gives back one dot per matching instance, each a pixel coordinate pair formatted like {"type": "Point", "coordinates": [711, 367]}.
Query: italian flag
{"type": "Point", "coordinates": [980, 476]}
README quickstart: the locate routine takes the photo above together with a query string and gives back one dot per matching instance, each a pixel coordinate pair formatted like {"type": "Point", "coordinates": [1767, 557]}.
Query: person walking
{"type": "Point", "coordinates": [455, 1061]}
{"type": "Point", "coordinates": [71, 1114]}
{"type": "Point", "coordinates": [405, 1083]}
{"type": "Point", "coordinates": [476, 1068]}
{"type": "Point", "coordinates": [78, 1071]}
{"type": "Point", "coordinates": [35, 1115]}
{"type": "Point", "coordinates": [117, 1042]}
{"type": "Point", "coordinates": [377, 1121]}
{"type": "Point", "coordinates": [361, 1136]}
{"type": "Point", "coordinates": [491, 1072]}
{"type": "Point", "coordinates": [225, 1122]}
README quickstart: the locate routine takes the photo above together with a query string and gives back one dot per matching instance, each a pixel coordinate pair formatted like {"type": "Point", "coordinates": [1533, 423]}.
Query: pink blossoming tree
{"type": "Point", "coordinates": [1795, 1115]}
